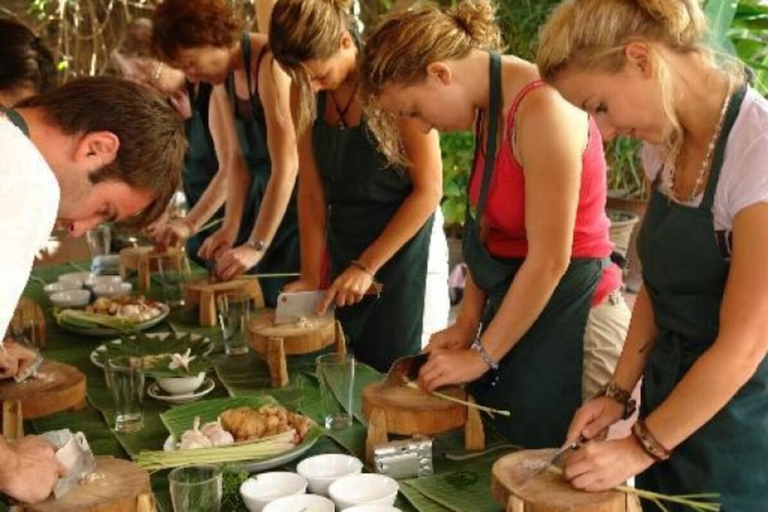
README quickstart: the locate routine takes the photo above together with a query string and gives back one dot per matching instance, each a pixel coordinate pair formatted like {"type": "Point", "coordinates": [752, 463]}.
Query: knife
{"type": "Point", "coordinates": [405, 369]}
{"type": "Point", "coordinates": [557, 459]}
{"type": "Point", "coordinates": [293, 306]}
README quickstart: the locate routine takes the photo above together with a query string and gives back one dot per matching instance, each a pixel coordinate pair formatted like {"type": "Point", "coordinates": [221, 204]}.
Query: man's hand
{"type": "Point", "coordinates": [14, 359]}
{"type": "Point", "coordinates": [29, 469]}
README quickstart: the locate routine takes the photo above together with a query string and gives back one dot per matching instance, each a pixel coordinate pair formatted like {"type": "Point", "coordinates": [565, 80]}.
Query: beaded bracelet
{"type": "Point", "coordinates": [621, 396]}
{"type": "Point", "coordinates": [649, 442]}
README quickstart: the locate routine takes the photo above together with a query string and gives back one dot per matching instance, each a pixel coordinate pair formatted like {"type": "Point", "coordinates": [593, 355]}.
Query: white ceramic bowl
{"type": "Point", "coordinates": [75, 277]}
{"type": "Point", "coordinates": [301, 503]}
{"type": "Point", "coordinates": [101, 280]}
{"type": "Point", "coordinates": [322, 470]}
{"type": "Point", "coordinates": [363, 489]}
{"type": "Point", "coordinates": [111, 289]}
{"type": "Point", "coordinates": [265, 488]}
{"type": "Point", "coordinates": [181, 385]}
{"type": "Point", "coordinates": [70, 298]}
{"type": "Point", "coordinates": [52, 288]}
{"type": "Point", "coordinates": [373, 508]}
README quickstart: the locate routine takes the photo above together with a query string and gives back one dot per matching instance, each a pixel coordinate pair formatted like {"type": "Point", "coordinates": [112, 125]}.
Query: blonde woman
{"type": "Point", "coordinates": [541, 291]}
{"type": "Point", "coordinates": [699, 331]}
{"type": "Point", "coordinates": [375, 218]}
{"type": "Point", "coordinates": [203, 39]}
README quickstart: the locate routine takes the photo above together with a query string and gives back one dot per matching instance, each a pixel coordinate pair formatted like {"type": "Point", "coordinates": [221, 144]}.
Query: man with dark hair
{"type": "Point", "coordinates": [91, 151]}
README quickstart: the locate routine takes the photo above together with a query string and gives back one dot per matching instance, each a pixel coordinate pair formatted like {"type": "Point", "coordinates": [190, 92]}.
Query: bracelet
{"type": "Point", "coordinates": [359, 265]}
{"type": "Point", "coordinates": [621, 396]}
{"type": "Point", "coordinates": [649, 443]}
{"type": "Point", "coordinates": [478, 347]}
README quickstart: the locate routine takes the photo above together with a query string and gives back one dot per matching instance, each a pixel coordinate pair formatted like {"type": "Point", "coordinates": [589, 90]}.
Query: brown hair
{"type": "Point", "coordinates": [592, 34]}
{"type": "Point", "coordinates": [302, 30]}
{"type": "Point", "coordinates": [400, 48]}
{"type": "Point", "coordinates": [151, 135]}
{"type": "Point", "coordinates": [27, 62]}
{"type": "Point", "coordinates": [181, 24]}
{"type": "Point", "coordinates": [138, 39]}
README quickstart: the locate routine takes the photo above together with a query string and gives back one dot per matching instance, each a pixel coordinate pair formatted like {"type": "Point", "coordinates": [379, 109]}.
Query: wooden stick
{"type": "Point", "coordinates": [266, 276]}
{"type": "Point", "coordinates": [214, 222]}
{"type": "Point", "coordinates": [483, 408]}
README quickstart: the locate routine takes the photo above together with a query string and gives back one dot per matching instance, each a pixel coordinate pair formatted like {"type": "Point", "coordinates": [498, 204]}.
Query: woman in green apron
{"type": "Point", "coordinates": [204, 187]}
{"type": "Point", "coordinates": [259, 150]}
{"type": "Point", "coordinates": [699, 331]}
{"type": "Point", "coordinates": [536, 233]}
{"type": "Point", "coordinates": [374, 218]}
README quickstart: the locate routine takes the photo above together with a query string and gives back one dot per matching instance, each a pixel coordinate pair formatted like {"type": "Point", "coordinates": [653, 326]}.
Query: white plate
{"type": "Point", "coordinates": [161, 335]}
{"type": "Point", "coordinates": [156, 392]}
{"type": "Point", "coordinates": [108, 331]}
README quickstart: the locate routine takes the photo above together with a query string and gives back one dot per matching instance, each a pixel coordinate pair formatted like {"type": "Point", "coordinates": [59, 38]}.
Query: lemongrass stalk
{"type": "Point", "coordinates": [450, 398]}
{"type": "Point", "coordinates": [214, 222]}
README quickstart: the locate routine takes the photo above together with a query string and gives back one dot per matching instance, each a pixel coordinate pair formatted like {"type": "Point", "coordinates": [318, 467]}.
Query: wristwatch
{"type": "Point", "coordinates": [257, 245]}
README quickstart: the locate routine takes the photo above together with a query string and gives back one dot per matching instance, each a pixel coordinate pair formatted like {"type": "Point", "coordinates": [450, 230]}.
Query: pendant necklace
{"type": "Point", "coordinates": [342, 112]}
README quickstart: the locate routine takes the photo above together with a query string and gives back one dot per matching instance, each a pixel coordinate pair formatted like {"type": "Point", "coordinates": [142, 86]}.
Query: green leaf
{"type": "Point", "coordinates": [720, 14]}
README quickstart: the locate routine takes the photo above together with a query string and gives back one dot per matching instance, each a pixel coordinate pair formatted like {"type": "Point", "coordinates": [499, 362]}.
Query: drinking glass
{"type": "Point", "coordinates": [174, 273]}
{"type": "Point", "coordinates": [196, 488]}
{"type": "Point", "coordinates": [234, 310]}
{"type": "Point", "coordinates": [125, 380]}
{"type": "Point", "coordinates": [99, 240]}
{"type": "Point", "coordinates": [336, 373]}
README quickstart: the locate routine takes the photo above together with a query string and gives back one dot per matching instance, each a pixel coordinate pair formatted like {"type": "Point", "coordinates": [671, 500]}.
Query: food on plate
{"type": "Point", "coordinates": [248, 424]}
{"type": "Point", "coordinates": [132, 308]}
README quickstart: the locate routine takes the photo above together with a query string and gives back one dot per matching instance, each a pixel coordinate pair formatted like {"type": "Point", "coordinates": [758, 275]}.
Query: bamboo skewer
{"type": "Point", "coordinates": [489, 410]}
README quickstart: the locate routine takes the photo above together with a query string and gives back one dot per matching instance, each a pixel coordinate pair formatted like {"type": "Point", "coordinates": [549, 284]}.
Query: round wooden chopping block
{"type": "Point", "coordinates": [297, 339]}
{"type": "Point", "coordinates": [518, 485]}
{"type": "Point", "coordinates": [118, 488]}
{"type": "Point", "coordinates": [411, 411]}
{"type": "Point", "coordinates": [56, 388]}
{"type": "Point", "coordinates": [130, 256]}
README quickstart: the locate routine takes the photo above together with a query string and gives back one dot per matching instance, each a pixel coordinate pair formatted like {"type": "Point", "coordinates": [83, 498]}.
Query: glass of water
{"type": "Point", "coordinates": [174, 273]}
{"type": "Point", "coordinates": [234, 310]}
{"type": "Point", "coordinates": [336, 373]}
{"type": "Point", "coordinates": [125, 380]}
{"type": "Point", "coordinates": [196, 488]}
{"type": "Point", "coordinates": [99, 240]}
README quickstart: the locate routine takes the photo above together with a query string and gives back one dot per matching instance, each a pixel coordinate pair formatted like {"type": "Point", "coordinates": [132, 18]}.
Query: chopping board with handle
{"type": "Point", "coordinates": [519, 485]}
{"type": "Point", "coordinates": [120, 486]}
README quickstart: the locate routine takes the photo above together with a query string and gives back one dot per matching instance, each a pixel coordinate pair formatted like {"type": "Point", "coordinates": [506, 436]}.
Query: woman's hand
{"type": "Point", "coordinates": [215, 245]}
{"type": "Point", "coordinates": [237, 261]}
{"type": "Point", "coordinates": [173, 234]}
{"type": "Point", "coordinates": [446, 367]}
{"type": "Point", "coordinates": [602, 465]}
{"type": "Point", "coordinates": [348, 289]}
{"type": "Point", "coordinates": [302, 285]}
{"type": "Point", "coordinates": [593, 418]}
{"type": "Point", "coordinates": [458, 336]}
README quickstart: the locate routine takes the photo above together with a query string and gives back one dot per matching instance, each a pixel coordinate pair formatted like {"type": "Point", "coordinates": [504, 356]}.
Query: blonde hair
{"type": "Point", "coordinates": [591, 35]}
{"type": "Point", "coordinates": [399, 49]}
{"type": "Point", "coordinates": [302, 30]}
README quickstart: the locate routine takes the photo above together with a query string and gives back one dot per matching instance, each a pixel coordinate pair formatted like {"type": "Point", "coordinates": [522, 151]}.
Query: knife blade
{"type": "Point", "coordinates": [557, 459]}
{"type": "Point", "coordinates": [294, 306]}
{"type": "Point", "coordinates": [405, 369]}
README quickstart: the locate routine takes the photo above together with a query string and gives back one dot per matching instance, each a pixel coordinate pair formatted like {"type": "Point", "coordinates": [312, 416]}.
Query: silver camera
{"type": "Point", "coordinates": [408, 458]}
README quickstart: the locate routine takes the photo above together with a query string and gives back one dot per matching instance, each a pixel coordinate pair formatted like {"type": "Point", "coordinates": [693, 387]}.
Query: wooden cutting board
{"type": "Point", "coordinates": [121, 487]}
{"type": "Point", "coordinates": [518, 487]}
{"type": "Point", "coordinates": [58, 387]}
{"type": "Point", "coordinates": [411, 411]}
{"type": "Point", "coordinates": [297, 339]}
{"type": "Point", "coordinates": [202, 294]}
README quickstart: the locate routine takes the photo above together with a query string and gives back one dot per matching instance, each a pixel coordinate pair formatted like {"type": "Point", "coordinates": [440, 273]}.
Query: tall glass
{"type": "Point", "coordinates": [99, 240]}
{"type": "Point", "coordinates": [125, 380]}
{"type": "Point", "coordinates": [336, 373]}
{"type": "Point", "coordinates": [196, 488]}
{"type": "Point", "coordinates": [234, 310]}
{"type": "Point", "coordinates": [174, 273]}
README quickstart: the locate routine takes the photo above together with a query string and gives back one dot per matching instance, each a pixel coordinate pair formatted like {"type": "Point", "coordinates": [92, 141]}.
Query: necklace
{"type": "Point", "coordinates": [342, 112]}
{"type": "Point", "coordinates": [707, 157]}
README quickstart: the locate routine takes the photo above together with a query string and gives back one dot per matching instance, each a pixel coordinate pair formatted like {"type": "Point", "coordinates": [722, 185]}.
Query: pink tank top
{"type": "Point", "coordinates": [505, 209]}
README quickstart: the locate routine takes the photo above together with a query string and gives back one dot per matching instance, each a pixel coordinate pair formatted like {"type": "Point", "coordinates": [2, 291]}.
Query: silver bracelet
{"type": "Point", "coordinates": [477, 346]}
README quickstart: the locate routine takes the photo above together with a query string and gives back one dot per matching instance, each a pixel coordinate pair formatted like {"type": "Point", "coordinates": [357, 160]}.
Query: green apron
{"type": "Point", "coordinates": [539, 380]}
{"type": "Point", "coordinates": [283, 253]}
{"type": "Point", "coordinates": [200, 162]}
{"type": "Point", "coordinates": [685, 272]}
{"type": "Point", "coordinates": [363, 193]}
{"type": "Point", "coordinates": [16, 119]}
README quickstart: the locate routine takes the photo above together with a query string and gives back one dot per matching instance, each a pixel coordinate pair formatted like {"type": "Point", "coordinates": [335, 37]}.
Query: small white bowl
{"type": "Point", "coordinates": [52, 288]}
{"type": "Point", "coordinates": [181, 385]}
{"type": "Point", "coordinates": [301, 503]}
{"type": "Point", "coordinates": [322, 470]}
{"type": "Point", "coordinates": [363, 489]}
{"type": "Point", "coordinates": [373, 508]}
{"type": "Point", "coordinates": [111, 289]}
{"type": "Point", "coordinates": [70, 298]}
{"type": "Point", "coordinates": [102, 280]}
{"type": "Point", "coordinates": [265, 488]}
{"type": "Point", "coordinates": [75, 277]}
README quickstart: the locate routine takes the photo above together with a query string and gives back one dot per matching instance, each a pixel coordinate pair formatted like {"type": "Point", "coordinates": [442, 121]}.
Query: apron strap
{"type": "Point", "coordinates": [16, 119]}
{"type": "Point", "coordinates": [493, 121]}
{"type": "Point", "coordinates": [245, 43]}
{"type": "Point", "coordinates": [717, 162]}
